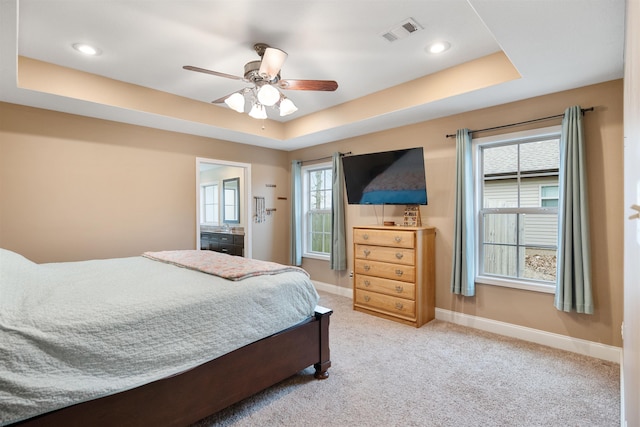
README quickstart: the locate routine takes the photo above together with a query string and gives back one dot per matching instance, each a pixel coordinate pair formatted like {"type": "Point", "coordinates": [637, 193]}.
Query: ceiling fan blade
{"type": "Point", "coordinates": [215, 73]}
{"type": "Point", "coordinates": [272, 61]}
{"type": "Point", "coordinates": [326, 85]}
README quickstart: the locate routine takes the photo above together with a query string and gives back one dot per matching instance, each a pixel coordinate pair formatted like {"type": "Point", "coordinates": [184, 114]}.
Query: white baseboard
{"type": "Point", "coordinates": [562, 342]}
{"type": "Point", "coordinates": [333, 289]}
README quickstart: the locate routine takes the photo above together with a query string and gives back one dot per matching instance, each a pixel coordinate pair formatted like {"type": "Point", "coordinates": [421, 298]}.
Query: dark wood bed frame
{"type": "Point", "coordinates": [187, 397]}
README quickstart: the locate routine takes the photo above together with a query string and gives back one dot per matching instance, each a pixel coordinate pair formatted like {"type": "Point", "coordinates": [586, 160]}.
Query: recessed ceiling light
{"type": "Point", "coordinates": [87, 49]}
{"type": "Point", "coordinates": [438, 47]}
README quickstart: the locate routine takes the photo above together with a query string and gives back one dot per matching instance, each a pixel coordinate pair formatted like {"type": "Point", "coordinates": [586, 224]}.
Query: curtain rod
{"type": "Point", "coordinates": [324, 158]}
{"type": "Point", "coordinates": [521, 123]}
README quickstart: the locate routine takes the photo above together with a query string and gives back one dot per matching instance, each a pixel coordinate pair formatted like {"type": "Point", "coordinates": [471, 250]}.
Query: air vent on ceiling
{"type": "Point", "coordinates": [402, 30]}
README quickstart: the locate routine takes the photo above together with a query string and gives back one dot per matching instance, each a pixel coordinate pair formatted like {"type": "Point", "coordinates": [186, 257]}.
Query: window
{"type": "Point", "coordinates": [549, 196]}
{"type": "Point", "coordinates": [316, 227]}
{"type": "Point", "coordinates": [517, 204]}
{"type": "Point", "coordinates": [209, 204]}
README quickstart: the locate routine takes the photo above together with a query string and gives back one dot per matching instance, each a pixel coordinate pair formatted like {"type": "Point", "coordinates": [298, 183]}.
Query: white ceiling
{"type": "Point", "coordinates": [554, 44]}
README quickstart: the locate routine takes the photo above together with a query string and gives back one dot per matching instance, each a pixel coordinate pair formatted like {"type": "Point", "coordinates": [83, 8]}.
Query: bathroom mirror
{"type": "Point", "coordinates": [231, 201]}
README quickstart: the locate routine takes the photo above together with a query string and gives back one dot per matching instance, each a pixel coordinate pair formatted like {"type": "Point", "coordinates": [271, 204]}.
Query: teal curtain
{"type": "Point", "coordinates": [296, 212]}
{"type": "Point", "coordinates": [338, 235]}
{"type": "Point", "coordinates": [463, 265]}
{"type": "Point", "coordinates": [573, 280]}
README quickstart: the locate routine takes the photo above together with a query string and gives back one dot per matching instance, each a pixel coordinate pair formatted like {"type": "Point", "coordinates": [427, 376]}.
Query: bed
{"type": "Point", "coordinates": [150, 340]}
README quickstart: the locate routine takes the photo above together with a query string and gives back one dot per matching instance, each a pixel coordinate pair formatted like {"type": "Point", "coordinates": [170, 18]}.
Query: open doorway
{"type": "Point", "coordinates": [223, 196]}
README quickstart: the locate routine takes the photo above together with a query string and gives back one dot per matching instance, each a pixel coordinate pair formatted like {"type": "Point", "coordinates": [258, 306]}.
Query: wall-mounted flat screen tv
{"type": "Point", "coordinates": [387, 178]}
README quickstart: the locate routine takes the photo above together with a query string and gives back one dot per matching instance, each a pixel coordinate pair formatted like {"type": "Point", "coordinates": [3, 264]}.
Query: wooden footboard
{"type": "Point", "coordinates": [192, 395]}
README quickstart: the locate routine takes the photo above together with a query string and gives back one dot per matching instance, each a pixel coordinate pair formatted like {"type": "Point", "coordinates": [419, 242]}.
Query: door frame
{"type": "Point", "coordinates": [630, 366]}
{"type": "Point", "coordinates": [245, 199]}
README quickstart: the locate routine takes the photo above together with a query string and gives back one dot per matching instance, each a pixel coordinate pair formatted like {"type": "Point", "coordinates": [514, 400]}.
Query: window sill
{"type": "Point", "coordinates": [517, 284]}
{"type": "Point", "coordinates": [317, 256]}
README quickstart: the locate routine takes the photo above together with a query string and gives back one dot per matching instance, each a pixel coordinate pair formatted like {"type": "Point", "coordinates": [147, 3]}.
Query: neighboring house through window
{"type": "Point", "coordinates": [517, 206]}
{"type": "Point", "coordinates": [316, 224]}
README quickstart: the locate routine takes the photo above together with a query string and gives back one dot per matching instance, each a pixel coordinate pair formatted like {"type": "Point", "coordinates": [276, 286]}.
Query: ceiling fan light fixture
{"type": "Point", "coordinates": [264, 75]}
{"type": "Point", "coordinates": [272, 61]}
{"type": "Point", "coordinates": [287, 107]}
{"type": "Point", "coordinates": [258, 111]}
{"type": "Point", "coordinates": [235, 102]}
{"type": "Point", "coordinates": [268, 95]}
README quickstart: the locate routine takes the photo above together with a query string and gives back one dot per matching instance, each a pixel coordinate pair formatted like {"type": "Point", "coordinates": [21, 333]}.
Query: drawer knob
{"type": "Point", "coordinates": [365, 236]}
{"type": "Point", "coordinates": [367, 283]}
{"type": "Point", "coordinates": [399, 306]}
{"type": "Point", "coordinates": [398, 239]}
{"type": "Point", "coordinates": [367, 267]}
{"type": "Point", "coordinates": [399, 273]}
{"type": "Point", "coordinates": [399, 255]}
{"type": "Point", "coordinates": [399, 289]}
{"type": "Point", "coordinates": [367, 298]}
{"type": "Point", "coordinates": [367, 252]}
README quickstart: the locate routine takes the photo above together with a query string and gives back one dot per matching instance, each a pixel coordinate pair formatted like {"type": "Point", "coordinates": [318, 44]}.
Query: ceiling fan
{"type": "Point", "coordinates": [264, 75]}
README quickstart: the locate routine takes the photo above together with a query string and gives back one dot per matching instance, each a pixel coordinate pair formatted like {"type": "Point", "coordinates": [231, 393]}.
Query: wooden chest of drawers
{"type": "Point", "coordinates": [394, 273]}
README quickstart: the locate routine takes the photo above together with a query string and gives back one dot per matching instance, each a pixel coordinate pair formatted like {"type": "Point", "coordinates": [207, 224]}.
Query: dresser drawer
{"type": "Point", "coordinates": [405, 273]}
{"type": "Point", "coordinates": [225, 238]}
{"type": "Point", "coordinates": [386, 254]}
{"type": "Point", "coordinates": [386, 286]}
{"type": "Point", "coordinates": [395, 238]}
{"type": "Point", "coordinates": [386, 303]}
{"type": "Point", "coordinates": [230, 249]}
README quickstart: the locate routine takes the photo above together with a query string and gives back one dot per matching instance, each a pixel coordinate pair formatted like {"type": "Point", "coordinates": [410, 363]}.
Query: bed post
{"type": "Point", "coordinates": [322, 316]}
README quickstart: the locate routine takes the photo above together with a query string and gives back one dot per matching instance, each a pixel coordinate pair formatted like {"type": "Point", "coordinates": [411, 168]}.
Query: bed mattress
{"type": "Point", "coordinates": [71, 332]}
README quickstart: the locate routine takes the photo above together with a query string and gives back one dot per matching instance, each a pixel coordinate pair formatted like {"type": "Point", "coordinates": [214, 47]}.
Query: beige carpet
{"type": "Point", "coordinates": [387, 374]}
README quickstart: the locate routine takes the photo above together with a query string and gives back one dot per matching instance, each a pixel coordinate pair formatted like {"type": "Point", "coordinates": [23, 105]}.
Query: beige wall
{"type": "Point", "coordinates": [604, 139]}
{"type": "Point", "coordinates": [75, 188]}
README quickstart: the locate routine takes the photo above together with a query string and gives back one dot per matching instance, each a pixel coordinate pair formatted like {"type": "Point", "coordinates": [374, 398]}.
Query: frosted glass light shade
{"type": "Point", "coordinates": [235, 102]}
{"type": "Point", "coordinates": [268, 95]}
{"type": "Point", "coordinates": [258, 111]}
{"type": "Point", "coordinates": [272, 61]}
{"type": "Point", "coordinates": [287, 107]}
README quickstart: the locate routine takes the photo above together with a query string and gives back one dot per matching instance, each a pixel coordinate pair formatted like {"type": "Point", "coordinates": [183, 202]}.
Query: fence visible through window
{"type": "Point", "coordinates": [518, 215]}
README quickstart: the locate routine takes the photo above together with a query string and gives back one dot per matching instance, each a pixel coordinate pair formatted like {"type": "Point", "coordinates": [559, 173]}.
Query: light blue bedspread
{"type": "Point", "coordinates": [71, 332]}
